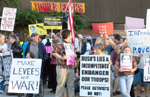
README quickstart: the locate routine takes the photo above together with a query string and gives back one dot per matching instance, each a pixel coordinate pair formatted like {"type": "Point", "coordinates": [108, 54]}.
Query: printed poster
{"type": "Point", "coordinates": [126, 61]}
{"type": "Point", "coordinates": [95, 75]}
{"type": "Point", "coordinates": [103, 28]}
{"type": "Point", "coordinates": [8, 19]}
{"type": "Point", "coordinates": [25, 76]}
{"type": "Point", "coordinates": [37, 28]}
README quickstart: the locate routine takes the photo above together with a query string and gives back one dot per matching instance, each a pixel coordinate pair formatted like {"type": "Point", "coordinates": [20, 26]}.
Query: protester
{"type": "Point", "coordinates": [78, 45]}
{"type": "Point", "coordinates": [24, 45]}
{"type": "Point", "coordinates": [38, 49]}
{"type": "Point", "coordinates": [108, 44]}
{"type": "Point", "coordinates": [126, 77]}
{"type": "Point", "coordinates": [65, 73]}
{"type": "Point", "coordinates": [117, 40]}
{"type": "Point", "coordinates": [17, 37]}
{"type": "Point", "coordinates": [53, 65]}
{"type": "Point", "coordinates": [15, 47]}
{"type": "Point", "coordinates": [88, 46]}
{"type": "Point", "coordinates": [47, 67]}
{"type": "Point", "coordinates": [29, 56]}
{"type": "Point", "coordinates": [139, 78]}
{"type": "Point", "coordinates": [3, 49]}
{"type": "Point", "coordinates": [118, 49]}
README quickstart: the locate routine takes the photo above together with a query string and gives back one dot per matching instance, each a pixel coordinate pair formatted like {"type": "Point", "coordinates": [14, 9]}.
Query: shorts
{"type": "Point", "coordinates": [138, 78]}
{"type": "Point", "coordinates": [115, 72]}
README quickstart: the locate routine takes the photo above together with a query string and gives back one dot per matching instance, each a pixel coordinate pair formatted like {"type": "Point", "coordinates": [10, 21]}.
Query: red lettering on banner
{"type": "Point", "coordinates": [36, 5]}
{"type": "Point", "coordinates": [40, 6]}
{"type": "Point", "coordinates": [55, 7]}
{"type": "Point", "coordinates": [52, 7]}
{"type": "Point", "coordinates": [62, 7]}
{"type": "Point", "coordinates": [67, 10]}
{"type": "Point", "coordinates": [46, 7]}
{"type": "Point", "coordinates": [76, 7]}
{"type": "Point", "coordinates": [81, 8]}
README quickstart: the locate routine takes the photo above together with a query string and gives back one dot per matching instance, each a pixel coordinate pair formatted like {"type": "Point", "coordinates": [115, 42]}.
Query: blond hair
{"type": "Point", "coordinates": [2, 37]}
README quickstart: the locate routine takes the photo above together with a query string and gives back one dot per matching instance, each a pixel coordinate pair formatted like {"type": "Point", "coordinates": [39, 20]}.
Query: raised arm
{"type": "Point", "coordinates": [99, 40]}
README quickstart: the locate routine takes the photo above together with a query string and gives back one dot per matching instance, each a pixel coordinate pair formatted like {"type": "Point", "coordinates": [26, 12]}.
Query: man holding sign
{"type": "Point", "coordinates": [64, 52]}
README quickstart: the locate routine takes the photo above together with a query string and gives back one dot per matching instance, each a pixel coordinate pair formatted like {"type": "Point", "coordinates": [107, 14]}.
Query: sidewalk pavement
{"type": "Point", "coordinates": [48, 94]}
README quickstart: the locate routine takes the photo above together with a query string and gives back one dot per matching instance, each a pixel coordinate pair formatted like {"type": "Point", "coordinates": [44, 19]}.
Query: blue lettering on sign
{"type": "Point", "coordinates": [147, 49]}
{"type": "Point", "coordinates": [134, 50]}
{"type": "Point", "coordinates": [130, 33]}
{"type": "Point", "coordinates": [140, 50]}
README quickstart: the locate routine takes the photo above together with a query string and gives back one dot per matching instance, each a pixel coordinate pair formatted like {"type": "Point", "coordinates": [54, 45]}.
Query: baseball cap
{"type": "Point", "coordinates": [17, 35]}
{"type": "Point", "coordinates": [34, 34]}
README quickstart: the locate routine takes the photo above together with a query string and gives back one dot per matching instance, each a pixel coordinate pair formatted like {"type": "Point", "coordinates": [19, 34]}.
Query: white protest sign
{"type": "Point", "coordinates": [139, 41]}
{"type": "Point", "coordinates": [8, 19]}
{"type": "Point", "coordinates": [126, 61]}
{"type": "Point", "coordinates": [147, 69]}
{"type": "Point", "coordinates": [95, 75]}
{"type": "Point", "coordinates": [25, 76]}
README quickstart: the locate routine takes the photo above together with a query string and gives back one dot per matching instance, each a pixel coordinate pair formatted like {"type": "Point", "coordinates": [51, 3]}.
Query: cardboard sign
{"type": "Point", "coordinates": [139, 41]}
{"type": "Point", "coordinates": [134, 23]}
{"type": "Point", "coordinates": [147, 69]}
{"type": "Point", "coordinates": [103, 28]}
{"type": "Point", "coordinates": [25, 76]}
{"type": "Point", "coordinates": [8, 19]}
{"type": "Point", "coordinates": [37, 28]}
{"type": "Point", "coordinates": [148, 19]}
{"type": "Point", "coordinates": [53, 22]}
{"type": "Point", "coordinates": [126, 61]}
{"type": "Point", "coordinates": [48, 49]}
{"type": "Point", "coordinates": [95, 75]}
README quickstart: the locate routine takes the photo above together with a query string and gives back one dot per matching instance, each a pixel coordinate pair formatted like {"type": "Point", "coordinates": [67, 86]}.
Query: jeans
{"type": "Point", "coordinates": [125, 83]}
{"type": "Point", "coordinates": [2, 85]}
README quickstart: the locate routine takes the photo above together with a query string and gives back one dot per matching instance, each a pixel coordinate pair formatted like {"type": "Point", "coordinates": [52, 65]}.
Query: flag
{"type": "Point", "coordinates": [69, 20]}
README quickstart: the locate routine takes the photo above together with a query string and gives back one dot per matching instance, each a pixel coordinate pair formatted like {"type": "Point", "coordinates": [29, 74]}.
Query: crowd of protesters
{"type": "Point", "coordinates": [64, 79]}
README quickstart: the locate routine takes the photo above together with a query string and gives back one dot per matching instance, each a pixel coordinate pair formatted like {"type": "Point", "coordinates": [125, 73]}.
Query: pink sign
{"type": "Point", "coordinates": [134, 23]}
{"type": "Point", "coordinates": [8, 19]}
{"type": "Point", "coordinates": [48, 49]}
{"type": "Point", "coordinates": [70, 60]}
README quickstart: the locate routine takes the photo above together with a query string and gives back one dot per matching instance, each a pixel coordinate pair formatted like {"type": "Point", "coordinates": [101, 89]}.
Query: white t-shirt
{"type": "Point", "coordinates": [140, 65]}
{"type": "Point", "coordinates": [5, 47]}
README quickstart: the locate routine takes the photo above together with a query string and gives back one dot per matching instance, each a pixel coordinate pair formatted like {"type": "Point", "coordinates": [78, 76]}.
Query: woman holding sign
{"type": "Point", "coordinates": [126, 77]}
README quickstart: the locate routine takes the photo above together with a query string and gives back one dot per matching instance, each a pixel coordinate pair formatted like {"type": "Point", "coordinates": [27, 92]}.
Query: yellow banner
{"type": "Point", "coordinates": [37, 28]}
{"type": "Point", "coordinates": [56, 7]}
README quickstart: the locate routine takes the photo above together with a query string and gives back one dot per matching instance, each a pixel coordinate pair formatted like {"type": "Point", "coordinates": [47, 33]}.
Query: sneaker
{"type": "Point", "coordinates": [1, 91]}
{"type": "Point", "coordinates": [142, 89]}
